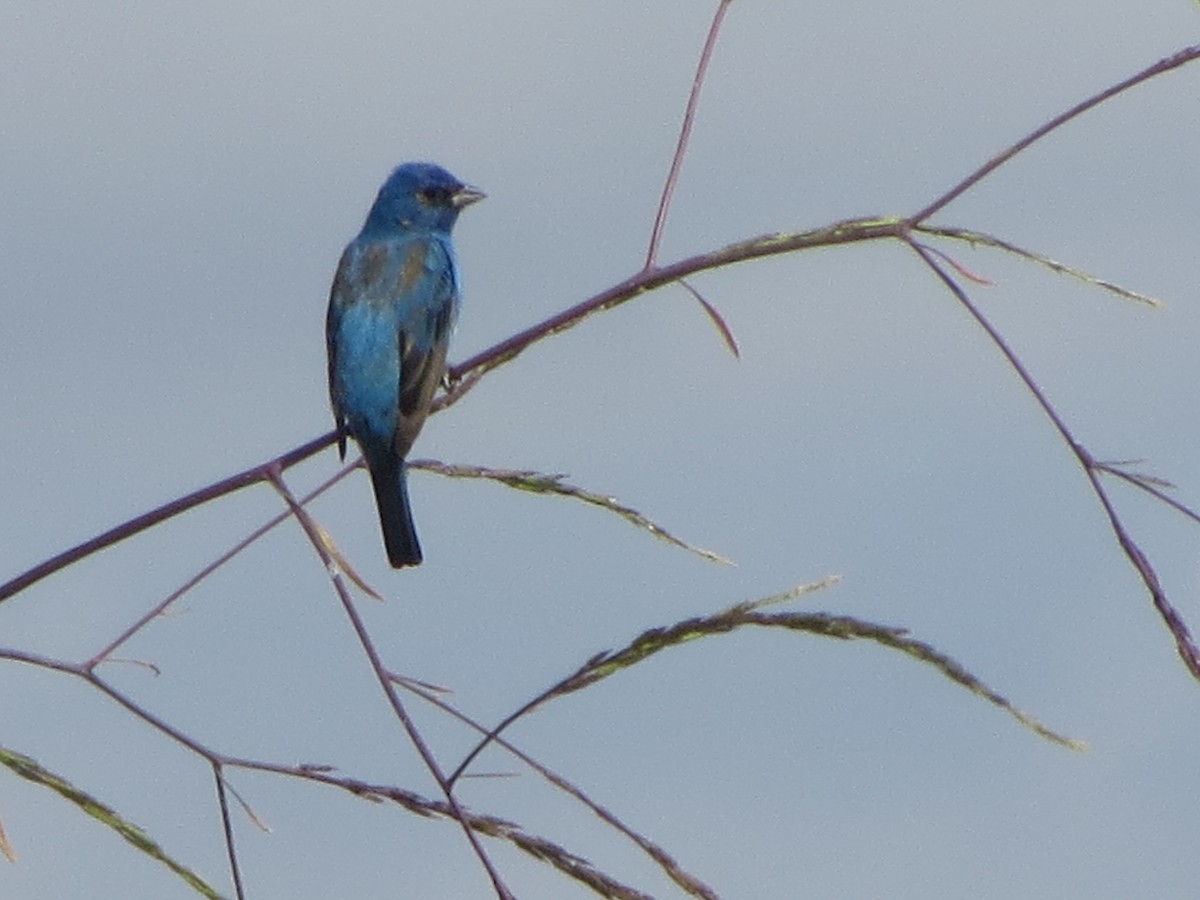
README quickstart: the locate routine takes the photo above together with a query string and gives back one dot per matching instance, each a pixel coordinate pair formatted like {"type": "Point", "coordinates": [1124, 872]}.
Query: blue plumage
{"type": "Point", "coordinates": [391, 310]}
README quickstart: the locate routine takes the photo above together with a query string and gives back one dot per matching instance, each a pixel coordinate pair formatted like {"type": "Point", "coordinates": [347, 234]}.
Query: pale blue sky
{"type": "Point", "coordinates": [176, 184]}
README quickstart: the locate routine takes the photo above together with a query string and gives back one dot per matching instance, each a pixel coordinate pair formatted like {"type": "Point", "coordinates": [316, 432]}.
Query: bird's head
{"type": "Point", "coordinates": [419, 197]}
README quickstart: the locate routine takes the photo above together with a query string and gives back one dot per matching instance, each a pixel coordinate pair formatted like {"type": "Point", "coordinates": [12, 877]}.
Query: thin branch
{"type": "Point", "coordinates": [717, 319]}
{"type": "Point", "coordinates": [492, 826]}
{"type": "Point", "coordinates": [538, 847]}
{"type": "Point", "coordinates": [314, 533]}
{"type": "Point", "coordinates": [1151, 485]}
{"type": "Point", "coordinates": [6, 849]}
{"type": "Point", "coordinates": [227, 828]}
{"type": "Point", "coordinates": [217, 563]}
{"type": "Point", "coordinates": [167, 511]}
{"type": "Point", "coordinates": [1163, 65]}
{"type": "Point", "coordinates": [958, 267]}
{"type": "Point", "coordinates": [685, 132]}
{"type": "Point", "coordinates": [30, 770]}
{"type": "Point", "coordinates": [1184, 643]}
{"type": "Point", "coordinates": [688, 882]}
{"type": "Point", "coordinates": [848, 231]}
{"type": "Point", "coordinates": [540, 483]}
{"type": "Point", "coordinates": [655, 640]}
{"type": "Point", "coordinates": [988, 240]}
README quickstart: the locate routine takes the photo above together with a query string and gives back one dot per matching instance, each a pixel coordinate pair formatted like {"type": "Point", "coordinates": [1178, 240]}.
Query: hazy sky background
{"type": "Point", "coordinates": [177, 181]}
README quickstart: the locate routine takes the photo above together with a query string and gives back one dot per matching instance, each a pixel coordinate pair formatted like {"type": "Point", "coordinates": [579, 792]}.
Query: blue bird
{"type": "Point", "coordinates": [392, 307]}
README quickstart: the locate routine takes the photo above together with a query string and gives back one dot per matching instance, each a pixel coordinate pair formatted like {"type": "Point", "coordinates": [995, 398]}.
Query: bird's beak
{"type": "Point", "coordinates": [466, 195]}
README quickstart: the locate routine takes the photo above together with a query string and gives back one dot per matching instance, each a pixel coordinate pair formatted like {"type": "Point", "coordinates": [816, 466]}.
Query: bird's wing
{"type": "Point", "coordinates": [338, 297]}
{"type": "Point", "coordinates": [429, 300]}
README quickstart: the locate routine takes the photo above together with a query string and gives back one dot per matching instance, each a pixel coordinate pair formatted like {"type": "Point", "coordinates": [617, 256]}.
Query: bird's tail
{"type": "Point", "coordinates": [395, 518]}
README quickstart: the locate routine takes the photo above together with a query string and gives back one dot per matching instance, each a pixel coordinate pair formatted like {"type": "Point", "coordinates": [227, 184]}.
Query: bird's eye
{"type": "Point", "coordinates": [434, 196]}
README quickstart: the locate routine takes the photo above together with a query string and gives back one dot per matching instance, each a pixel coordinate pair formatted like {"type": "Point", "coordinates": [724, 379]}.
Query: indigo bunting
{"type": "Point", "coordinates": [392, 307]}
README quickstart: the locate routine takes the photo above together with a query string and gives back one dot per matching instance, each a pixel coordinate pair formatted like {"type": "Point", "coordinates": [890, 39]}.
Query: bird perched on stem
{"type": "Point", "coordinates": [392, 307]}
